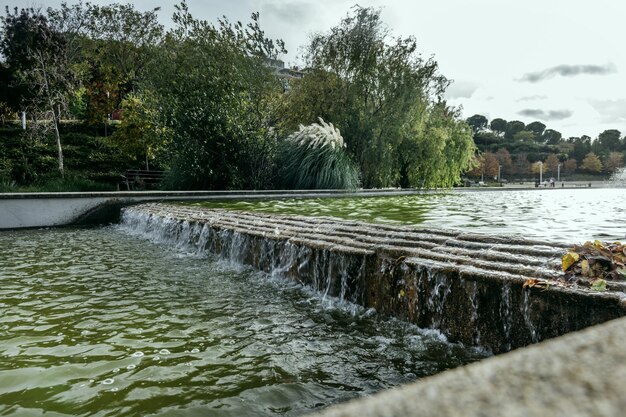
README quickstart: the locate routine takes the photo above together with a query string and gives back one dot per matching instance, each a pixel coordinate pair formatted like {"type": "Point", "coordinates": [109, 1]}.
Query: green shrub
{"type": "Point", "coordinates": [76, 184]}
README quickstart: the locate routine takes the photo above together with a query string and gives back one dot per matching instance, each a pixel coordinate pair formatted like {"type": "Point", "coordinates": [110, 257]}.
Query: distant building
{"type": "Point", "coordinates": [285, 74]}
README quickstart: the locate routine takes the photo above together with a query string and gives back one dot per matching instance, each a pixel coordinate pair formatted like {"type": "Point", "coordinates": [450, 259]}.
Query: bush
{"type": "Point", "coordinates": [314, 157]}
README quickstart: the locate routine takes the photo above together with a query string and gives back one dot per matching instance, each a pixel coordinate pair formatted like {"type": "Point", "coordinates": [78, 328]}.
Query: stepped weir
{"type": "Point", "coordinates": [468, 286]}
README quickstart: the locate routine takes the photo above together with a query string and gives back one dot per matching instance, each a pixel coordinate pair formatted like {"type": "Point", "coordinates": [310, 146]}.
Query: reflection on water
{"type": "Point", "coordinates": [565, 215]}
{"type": "Point", "coordinates": [97, 322]}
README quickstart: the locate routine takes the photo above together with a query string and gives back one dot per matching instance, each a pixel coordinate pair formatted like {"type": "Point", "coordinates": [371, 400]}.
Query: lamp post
{"type": "Point", "coordinates": [558, 173]}
{"type": "Point", "coordinates": [540, 172]}
{"type": "Point", "coordinates": [499, 172]}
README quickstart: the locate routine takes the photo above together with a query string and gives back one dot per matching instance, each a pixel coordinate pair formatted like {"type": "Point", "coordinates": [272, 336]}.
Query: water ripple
{"type": "Point", "coordinates": [96, 322]}
{"type": "Point", "coordinates": [565, 215]}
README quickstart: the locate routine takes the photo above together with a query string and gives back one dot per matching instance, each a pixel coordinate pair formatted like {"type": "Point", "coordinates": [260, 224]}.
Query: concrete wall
{"type": "Point", "coordinates": [23, 210]}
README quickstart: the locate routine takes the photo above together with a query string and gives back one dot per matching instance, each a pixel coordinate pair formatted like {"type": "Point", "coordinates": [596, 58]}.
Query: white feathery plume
{"type": "Point", "coordinates": [317, 136]}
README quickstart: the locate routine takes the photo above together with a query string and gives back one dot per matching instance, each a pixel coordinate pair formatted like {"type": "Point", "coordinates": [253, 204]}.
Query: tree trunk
{"type": "Point", "coordinates": [55, 119]}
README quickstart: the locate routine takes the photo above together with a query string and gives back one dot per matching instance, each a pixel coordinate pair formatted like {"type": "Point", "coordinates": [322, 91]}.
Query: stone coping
{"type": "Point", "coordinates": [580, 374]}
{"type": "Point", "coordinates": [227, 194]}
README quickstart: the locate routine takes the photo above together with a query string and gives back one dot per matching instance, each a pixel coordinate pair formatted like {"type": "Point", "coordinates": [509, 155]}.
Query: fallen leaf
{"type": "Point", "coordinates": [584, 268]}
{"type": "Point", "coordinates": [569, 259]}
{"type": "Point", "coordinates": [599, 285]}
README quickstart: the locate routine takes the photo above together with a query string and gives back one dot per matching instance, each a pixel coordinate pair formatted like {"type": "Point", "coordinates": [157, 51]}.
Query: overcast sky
{"type": "Point", "coordinates": [557, 61]}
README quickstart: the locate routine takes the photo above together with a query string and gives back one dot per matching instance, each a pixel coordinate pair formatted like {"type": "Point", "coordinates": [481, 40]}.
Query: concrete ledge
{"type": "Point", "coordinates": [579, 374]}
{"type": "Point", "coordinates": [24, 210]}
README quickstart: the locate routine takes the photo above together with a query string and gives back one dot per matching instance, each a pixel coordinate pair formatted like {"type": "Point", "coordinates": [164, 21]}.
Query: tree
{"type": "Point", "coordinates": [43, 66]}
{"type": "Point", "coordinates": [137, 134]}
{"type": "Point", "coordinates": [525, 136]}
{"type": "Point", "coordinates": [592, 163]}
{"type": "Point", "coordinates": [476, 169]}
{"type": "Point", "coordinates": [512, 128]}
{"type": "Point", "coordinates": [551, 137]}
{"type": "Point", "coordinates": [613, 162]}
{"type": "Point", "coordinates": [551, 163]}
{"type": "Point", "coordinates": [505, 160]}
{"type": "Point", "coordinates": [537, 128]}
{"type": "Point", "coordinates": [119, 43]}
{"type": "Point", "coordinates": [23, 31]}
{"type": "Point", "coordinates": [521, 164]}
{"type": "Point", "coordinates": [570, 165]}
{"type": "Point", "coordinates": [582, 146]}
{"type": "Point", "coordinates": [477, 122]}
{"type": "Point", "coordinates": [485, 139]}
{"type": "Point", "coordinates": [609, 140]}
{"type": "Point", "coordinates": [498, 126]}
{"type": "Point", "coordinates": [490, 165]}
{"type": "Point", "coordinates": [387, 101]}
{"type": "Point", "coordinates": [215, 98]}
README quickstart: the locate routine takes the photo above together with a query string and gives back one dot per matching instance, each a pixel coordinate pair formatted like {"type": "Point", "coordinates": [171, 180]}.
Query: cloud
{"type": "Point", "coordinates": [532, 98]}
{"type": "Point", "coordinates": [611, 111]}
{"type": "Point", "coordinates": [568, 71]}
{"type": "Point", "coordinates": [546, 115]}
{"type": "Point", "coordinates": [294, 13]}
{"type": "Point", "coordinates": [461, 89]}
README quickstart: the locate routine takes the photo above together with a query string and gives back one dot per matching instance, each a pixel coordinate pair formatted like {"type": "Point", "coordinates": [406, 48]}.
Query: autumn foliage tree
{"type": "Point", "coordinates": [613, 162]}
{"type": "Point", "coordinates": [570, 165]}
{"type": "Point", "coordinates": [592, 163]}
{"type": "Point", "coordinates": [551, 164]}
{"type": "Point", "coordinates": [490, 165]}
{"type": "Point", "coordinates": [504, 159]}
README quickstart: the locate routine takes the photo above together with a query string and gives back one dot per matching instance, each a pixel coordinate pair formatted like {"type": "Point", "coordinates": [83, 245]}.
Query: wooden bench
{"type": "Point", "coordinates": [142, 179]}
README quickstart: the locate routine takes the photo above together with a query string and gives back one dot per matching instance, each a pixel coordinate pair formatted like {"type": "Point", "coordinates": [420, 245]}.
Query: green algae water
{"type": "Point", "coordinates": [96, 321]}
{"type": "Point", "coordinates": [563, 215]}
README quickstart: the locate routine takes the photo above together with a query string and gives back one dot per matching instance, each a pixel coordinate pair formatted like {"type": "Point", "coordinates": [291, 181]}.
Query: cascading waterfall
{"type": "Point", "coordinates": [505, 312]}
{"type": "Point", "coordinates": [458, 285]}
{"type": "Point", "coordinates": [327, 272]}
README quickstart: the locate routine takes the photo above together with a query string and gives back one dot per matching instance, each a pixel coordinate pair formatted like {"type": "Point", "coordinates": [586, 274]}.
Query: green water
{"type": "Point", "coordinates": [566, 215]}
{"type": "Point", "coordinates": [99, 322]}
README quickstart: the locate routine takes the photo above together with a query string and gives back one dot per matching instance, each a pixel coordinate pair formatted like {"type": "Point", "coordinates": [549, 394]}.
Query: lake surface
{"type": "Point", "coordinates": [96, 321]}
{"type": "Point", "coordinates": [563, 215]}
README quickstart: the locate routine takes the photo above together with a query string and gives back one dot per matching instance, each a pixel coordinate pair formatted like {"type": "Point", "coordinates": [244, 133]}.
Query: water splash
{"type": "Point", "coordinates": [618, 179]}
{"type": "Point", "coordinates": [330, 273]}
{"type": "Point", "coordinates": [526, 314]}
{"type": "Point", "coordinates": [506, 313]}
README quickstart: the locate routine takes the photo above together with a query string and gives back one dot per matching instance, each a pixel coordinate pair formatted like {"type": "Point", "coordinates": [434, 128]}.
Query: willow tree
{"type": "Point", "coordinates": [386, 99]}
